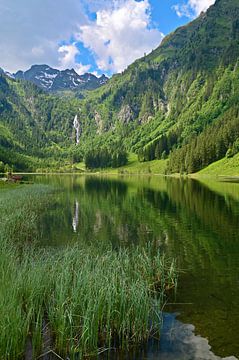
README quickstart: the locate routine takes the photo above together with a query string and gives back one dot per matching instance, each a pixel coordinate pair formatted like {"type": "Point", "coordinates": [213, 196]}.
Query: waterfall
{"type": "Point", "coordinates": [75, 220]}
{"type": "Point", "coordinates": [76, 126]}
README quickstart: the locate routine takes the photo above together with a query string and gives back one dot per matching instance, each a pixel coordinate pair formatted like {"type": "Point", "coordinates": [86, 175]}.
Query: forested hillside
{"type": "Point", "coordinates": [186, 87]}
{"type": "Point", "coordinates": [33, 125]}
{"type": "Point", "coordinates": [180, 101]}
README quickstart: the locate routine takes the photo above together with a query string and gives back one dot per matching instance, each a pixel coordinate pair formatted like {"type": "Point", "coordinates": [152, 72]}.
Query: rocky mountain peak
{"type": "Point", "coordinates": [53, 80]}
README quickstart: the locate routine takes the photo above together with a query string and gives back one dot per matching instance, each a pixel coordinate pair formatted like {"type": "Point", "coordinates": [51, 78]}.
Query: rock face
{"type": "Point", "coordinates": [99, 122]}
{"type": "Point", "coordinates": [53, 80]}
{"type": "Point", "coordinates": [126, 114]}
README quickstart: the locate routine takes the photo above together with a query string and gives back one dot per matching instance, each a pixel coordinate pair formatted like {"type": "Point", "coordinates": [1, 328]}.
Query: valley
{"type": "Point", "coordinates": [119, 180]}
{"type": "Point", "coordinates": [179, 103]}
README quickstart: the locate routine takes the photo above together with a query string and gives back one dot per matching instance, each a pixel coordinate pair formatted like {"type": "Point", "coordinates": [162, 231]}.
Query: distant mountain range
{"type": "Point", "coordinates": [53, 80]}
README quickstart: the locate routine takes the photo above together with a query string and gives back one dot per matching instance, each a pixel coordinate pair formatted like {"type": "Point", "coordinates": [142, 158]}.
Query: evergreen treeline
{"type": "Point", "coordinates": [103, 158]}
{"type": "Point", "coordinates": [215, 142]}
{"type": "Point", "coordinates": [159, 148]}
{"type": "Point", "coordinates": [161, 103]}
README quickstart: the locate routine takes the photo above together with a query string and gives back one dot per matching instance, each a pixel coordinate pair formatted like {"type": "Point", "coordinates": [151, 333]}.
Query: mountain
{"type": "Point", "coordinates": [53, 80]}
{"type": "Point", "coordinates": [186, 87]}
{"type": "Point", "coordinates": [180, 102]}
{"type": "Point", "coordinates": [34, 125]}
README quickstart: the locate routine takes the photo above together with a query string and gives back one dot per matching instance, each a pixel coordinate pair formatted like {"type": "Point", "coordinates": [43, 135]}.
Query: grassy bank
{"type": "Point", "coordinates": [72, 300]}
{"type": "Point", "coordinates": [136, 167]}
{"type": "Point", "coordinates": [133, 167]}
{"type": "Point", "coordinates": [223, 167]}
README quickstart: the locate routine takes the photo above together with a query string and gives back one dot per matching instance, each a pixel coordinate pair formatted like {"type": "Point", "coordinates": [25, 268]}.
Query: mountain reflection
{"type": "Point", "coordinates": [197, 224]}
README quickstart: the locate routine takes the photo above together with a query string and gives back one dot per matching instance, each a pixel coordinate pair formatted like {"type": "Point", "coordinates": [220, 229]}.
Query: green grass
{"type": "Point", "coordinates": [133, 167]}
{"type": "Point", "coordinates": [136, 167]}
{"type": "Point", "coordinates": [6, 185]}
{"type": "Point", "coordinates": [90, 297]}
{"type": "Point", "coordinates": [225, 166]}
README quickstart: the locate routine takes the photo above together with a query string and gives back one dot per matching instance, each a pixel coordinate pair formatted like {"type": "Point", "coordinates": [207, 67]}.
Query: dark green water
{"type": "Point", "coordinates": [195, 223]}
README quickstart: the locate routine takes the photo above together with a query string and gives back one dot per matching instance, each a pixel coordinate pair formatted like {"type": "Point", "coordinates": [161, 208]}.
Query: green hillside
{"type": "Point", "coordinates": [35, 128]}
{"type": "Point", "coordinates": [184, 88]}
{"type": "Point", "coordinates": [179, 102]}
{"type": "Point", "coordinates": [225, 166]}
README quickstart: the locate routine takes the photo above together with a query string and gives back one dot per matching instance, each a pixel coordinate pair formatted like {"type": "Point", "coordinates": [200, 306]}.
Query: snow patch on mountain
{"type": "Point", "coordinates": [54, 80]}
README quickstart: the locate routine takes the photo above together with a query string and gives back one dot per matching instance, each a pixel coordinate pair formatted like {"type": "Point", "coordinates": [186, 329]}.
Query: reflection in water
{"type": "Point", "coordinates": [98, 222]}
{"type": "Point", "coordinates": [195, 223]}
{"type": "Point", "coordinates": [177, 342]}
{"type": "Point", "coordinates": [75, 220]}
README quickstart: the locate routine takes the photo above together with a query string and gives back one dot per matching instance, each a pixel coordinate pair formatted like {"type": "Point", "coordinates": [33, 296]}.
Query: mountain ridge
{"type": "Point", "coordinates": [168, 104]}
{"type": "Point", "coordinates": [174, 93]}
{"type": "Point", "coordinates": [53, 80]}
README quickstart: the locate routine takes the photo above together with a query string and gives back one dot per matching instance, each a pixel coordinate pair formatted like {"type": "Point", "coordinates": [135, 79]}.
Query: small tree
{"type": "Point", "coordinates": [229, 153]}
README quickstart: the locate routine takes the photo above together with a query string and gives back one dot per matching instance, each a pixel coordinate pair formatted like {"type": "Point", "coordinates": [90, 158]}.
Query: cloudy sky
{"type": "Point", "coordinates": [100, 36]}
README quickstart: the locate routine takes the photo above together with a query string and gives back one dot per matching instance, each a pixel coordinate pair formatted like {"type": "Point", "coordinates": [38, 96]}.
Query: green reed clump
{"type": "Point", "coordinates": [98, 299]}
{"type": "Point", "coordinates": [90, 297]}
{"type": "Point", "coordinates": [20, 208]}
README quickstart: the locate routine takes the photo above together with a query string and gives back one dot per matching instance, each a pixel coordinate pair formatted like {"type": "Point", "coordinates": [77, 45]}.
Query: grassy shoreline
{"type": "Point", "coordinates": [224, 167]}
{"type": "Point", "coordinates": [88, 297]}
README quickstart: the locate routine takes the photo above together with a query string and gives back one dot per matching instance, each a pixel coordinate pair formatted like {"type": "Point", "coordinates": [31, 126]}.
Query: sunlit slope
{"type": "Point", "coordinates": [184, 85]}
{"type": "Point", "coordinates": [225, 166]}
{"type": "Point", "coordinates": [180, 101]}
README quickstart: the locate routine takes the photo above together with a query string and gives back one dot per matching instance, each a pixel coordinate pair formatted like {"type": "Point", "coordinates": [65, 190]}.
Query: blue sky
{"type": "Point", "coordinates": [99, 36]}
{"type": "Point", "coordinates": [165, 16]}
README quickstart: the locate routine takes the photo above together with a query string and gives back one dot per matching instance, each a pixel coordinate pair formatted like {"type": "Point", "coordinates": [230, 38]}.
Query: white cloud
{"type": "Point", "coordinates": [200, 5]}
{"type": "Point", "coordinates": [192, 8]}
{"type": "Point", "coordinates": [120, 34]}
{"type": "Point", "coordinates": [96, 74]}
{"type": "Point", "coordinates": [68, 60]}
{"type": "Point", "coordinates": [182, 10]}
{"type": "Point", "coordinates": [67, 55]}
{"type": "Point", "coordinates": [82, 69]}
{"type": "Point", "coordinates": [32, 30]}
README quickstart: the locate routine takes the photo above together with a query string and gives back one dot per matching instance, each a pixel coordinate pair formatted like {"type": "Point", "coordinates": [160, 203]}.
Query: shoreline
{"type": "Point", "coordinates": [188, 176]}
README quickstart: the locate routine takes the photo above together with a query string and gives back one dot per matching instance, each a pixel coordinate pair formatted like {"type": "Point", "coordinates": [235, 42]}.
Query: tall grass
{"type": "Point", "coordinates": [90, 297]}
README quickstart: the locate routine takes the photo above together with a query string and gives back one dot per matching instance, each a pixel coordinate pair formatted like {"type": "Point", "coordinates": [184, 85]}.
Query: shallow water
{"type": "Point", "coordinates": [196, 223]}
{"type": "Point", "coordinates": [177, 342]}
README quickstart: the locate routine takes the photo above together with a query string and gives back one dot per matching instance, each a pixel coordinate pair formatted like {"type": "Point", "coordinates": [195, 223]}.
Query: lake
{"type": "Point", "coordinates": [194, 222]}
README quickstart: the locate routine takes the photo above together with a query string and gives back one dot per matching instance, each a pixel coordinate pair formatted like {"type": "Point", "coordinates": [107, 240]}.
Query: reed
{"type": "Point", "coordinates": [90, 297]}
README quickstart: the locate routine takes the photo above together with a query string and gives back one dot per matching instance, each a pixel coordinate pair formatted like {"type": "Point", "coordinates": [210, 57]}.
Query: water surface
{"type": "Point", "coordinates": [196, 223]}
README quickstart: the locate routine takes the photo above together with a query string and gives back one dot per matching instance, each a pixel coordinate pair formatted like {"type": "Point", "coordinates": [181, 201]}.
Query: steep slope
{"type": "Point", "coordinates": [33, 124]}
{"type": "Point", "coordinates": [224, 167]}
{"type": "Point", "coordinates": [53, 80]}
{"type": "Point", "coordinates": [170, 96]}
{"type": "Point", "coordinates": [180, 101]}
